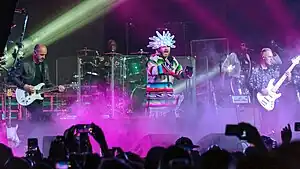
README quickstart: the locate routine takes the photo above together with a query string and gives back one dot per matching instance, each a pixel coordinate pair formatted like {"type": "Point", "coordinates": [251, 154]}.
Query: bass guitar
{"type": "Point", "coordinates": [268, 101]}
{"type": "Point", "coordinates": [25, 98]}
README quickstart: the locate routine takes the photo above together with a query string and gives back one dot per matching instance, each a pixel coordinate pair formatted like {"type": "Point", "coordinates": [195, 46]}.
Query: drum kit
{"type": "Point", "coordinates": [112, 71]}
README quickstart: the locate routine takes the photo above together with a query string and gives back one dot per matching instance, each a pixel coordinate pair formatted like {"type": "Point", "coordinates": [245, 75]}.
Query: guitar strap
{"type": "Point", "coordinates": [42, 68]}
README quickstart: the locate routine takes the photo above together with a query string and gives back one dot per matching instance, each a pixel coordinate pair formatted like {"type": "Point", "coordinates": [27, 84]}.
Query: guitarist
{"type": "Point", "coordinates": [27, 74]}
{"type": "Point", "coordinates": [259, 79]}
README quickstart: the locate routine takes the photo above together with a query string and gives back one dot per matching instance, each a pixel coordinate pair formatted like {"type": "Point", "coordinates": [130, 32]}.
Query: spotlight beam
{"type": "Point", "coordinates": [199, 79]}
{"type": "Point", "coordinates": [80, 15]}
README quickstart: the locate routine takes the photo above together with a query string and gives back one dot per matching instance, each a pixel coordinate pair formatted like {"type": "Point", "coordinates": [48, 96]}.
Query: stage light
{"type": "Point", "coordinates": [80, 15]}
{"type": "Point", "coordinates": [200, 78]}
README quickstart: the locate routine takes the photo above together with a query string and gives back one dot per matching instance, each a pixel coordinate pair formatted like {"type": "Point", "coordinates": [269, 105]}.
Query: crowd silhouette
{"type": "Point", "coordinates": [74, 150]}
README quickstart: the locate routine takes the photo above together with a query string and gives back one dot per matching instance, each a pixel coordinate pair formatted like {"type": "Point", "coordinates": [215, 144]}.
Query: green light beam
{"type": "Point", "coordinates": [82, 14]}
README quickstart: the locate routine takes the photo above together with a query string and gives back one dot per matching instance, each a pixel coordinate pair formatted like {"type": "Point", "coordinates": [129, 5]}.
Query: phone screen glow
{"type": "Point", "coordinates": [62, 165]}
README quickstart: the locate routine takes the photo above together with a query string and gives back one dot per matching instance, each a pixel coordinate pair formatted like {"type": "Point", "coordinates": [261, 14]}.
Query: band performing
{"type": "Point", "coordinates": [150, 79]}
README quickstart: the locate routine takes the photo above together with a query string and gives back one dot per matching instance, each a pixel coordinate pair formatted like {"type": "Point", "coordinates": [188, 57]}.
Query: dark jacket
{"type": "Point", "coordinates": [24, 73]}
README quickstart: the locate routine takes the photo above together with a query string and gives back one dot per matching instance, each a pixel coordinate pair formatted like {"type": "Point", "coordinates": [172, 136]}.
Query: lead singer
{"type": "Point", "coordinates": [162, 70]}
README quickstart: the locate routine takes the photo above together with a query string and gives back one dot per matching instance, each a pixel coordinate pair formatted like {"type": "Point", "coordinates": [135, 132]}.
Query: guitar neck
{"type": "Point", "coordinates": [9, 111]}
{"type": "Point", "coordinates": [283, 77]}
{"type": "Point", "coordinates": [51, 89]}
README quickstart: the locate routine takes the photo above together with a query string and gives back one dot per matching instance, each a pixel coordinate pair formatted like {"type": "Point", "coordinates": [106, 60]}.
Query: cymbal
{"type": "Point", "coordinates": [75, 76]}
{"type": "Point", "coordinates": [139, 53]}
{"type": "Point", "coordinates": [10, 86]}
{"type": "Point", "coordinates": [112, 53]}
{"type": "Point", "coordinates": [92, 73]}
{"type": "Point", "coordinates": [90, 63]}
{"type": "Point", "coordinates": [87, 50]}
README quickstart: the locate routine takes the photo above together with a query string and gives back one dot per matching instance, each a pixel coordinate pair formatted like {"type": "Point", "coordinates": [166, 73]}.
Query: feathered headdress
{"type": "Point", "coordinates": [160, 40]}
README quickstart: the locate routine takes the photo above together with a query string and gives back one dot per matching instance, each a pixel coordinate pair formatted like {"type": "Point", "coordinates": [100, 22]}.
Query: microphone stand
{"type": "Point", "coordinates": [183, 28]}
{"type": "Point", "coordinates": [128, 26]}
{"type": "Point", "coordinates": [24, 28]}
{"type": "Point", "coordinates": [20, 44]}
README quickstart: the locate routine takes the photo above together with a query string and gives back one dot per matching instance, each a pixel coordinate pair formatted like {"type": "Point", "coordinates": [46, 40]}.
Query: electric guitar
{"type": "Point", "coordinates": [268, 101]}
{"type": "Point", "coordinates": [25, 98]}
{"type": "Point", "coordinates": [11, 132]}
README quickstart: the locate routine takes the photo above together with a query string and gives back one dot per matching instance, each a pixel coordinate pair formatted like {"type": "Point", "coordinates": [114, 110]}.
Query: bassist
{"type": "Point", "coordinates": [31, 73]}
{"type": "Point", "coordinates": [259, 79]}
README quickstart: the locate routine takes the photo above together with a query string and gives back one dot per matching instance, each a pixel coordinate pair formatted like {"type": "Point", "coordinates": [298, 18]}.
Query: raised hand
{"type": "Point", "coordinates": [99, 136]}
{"type": "Point", "coordinates": [188, 71]}
{"type": "Point", "coordinates": [286, 134]}
{"type": "Point", "coordinates": [252, 136]}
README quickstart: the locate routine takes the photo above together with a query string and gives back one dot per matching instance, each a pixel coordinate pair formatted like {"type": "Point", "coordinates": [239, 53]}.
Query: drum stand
{"type": "Point", "coordinates": [124, 83]}
{"type": "Point", "coordinates": [112, 86]}
{"type": "Point", "coordinates": [79, 67]}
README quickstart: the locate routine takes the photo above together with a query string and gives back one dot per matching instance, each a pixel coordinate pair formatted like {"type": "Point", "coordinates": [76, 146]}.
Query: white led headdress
{"type": "Point", "coordinates": [160, 40]}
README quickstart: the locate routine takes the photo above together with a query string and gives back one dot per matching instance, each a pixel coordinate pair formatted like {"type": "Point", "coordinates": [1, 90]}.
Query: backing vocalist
{"type": "Point", "coordinates": [238, 66]}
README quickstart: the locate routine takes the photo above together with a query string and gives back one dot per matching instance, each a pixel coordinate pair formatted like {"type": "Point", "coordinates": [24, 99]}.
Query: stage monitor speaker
{"type": "Point", "coordinates": [229, 143]}
{"type": "Point", "coordinates": [46, 144]}
{"type": "Point", "coordinates": [151, 140]}
{"type": "Point", "coordinates": [248, 114]}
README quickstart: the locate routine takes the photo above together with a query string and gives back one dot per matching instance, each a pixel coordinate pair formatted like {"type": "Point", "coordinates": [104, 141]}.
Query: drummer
{"type": "Point", "coordinates": [112, 45]}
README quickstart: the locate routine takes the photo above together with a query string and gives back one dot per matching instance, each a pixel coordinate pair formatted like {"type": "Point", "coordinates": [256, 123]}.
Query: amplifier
{"type": "Point", "coordinates": [241, 99]}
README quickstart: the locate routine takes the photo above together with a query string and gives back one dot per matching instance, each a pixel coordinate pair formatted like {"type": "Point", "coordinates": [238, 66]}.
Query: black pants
{"type": "Point", "coordinates": [36, 110]}
{"type": "Point", "coordinates": [269, 120]}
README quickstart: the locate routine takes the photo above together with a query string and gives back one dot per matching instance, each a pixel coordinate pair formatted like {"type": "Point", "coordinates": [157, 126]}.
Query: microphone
{"type": "Point", "coordinates": [170, 58]}
{"type": "Point", "coordinates": [21, 11]}
{"type": "Point", "coordinates": [249, 49]}
{"type": "Point", "coordinates": [130, 23]}
{"type": "Point", "coordinates": [273, 43]}
{"type": "Point", "coordinates": [244, 47]}
{"type": "Point", "coordinates": [12, 26]}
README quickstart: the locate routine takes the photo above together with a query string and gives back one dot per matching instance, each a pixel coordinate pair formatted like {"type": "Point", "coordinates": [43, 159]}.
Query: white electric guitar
{"type": "Point", "coordinates": [11, 132]}
{"type": "Point", "coordinates": [24, 98]}
{"type": "Point", "coordinates": [268, 101]}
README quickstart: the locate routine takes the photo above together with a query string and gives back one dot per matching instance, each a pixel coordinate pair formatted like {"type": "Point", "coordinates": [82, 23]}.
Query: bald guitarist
{"type": "Point", "coordinates": [268, 69]}
{"type": "Point", "coordinates": [26, 75]}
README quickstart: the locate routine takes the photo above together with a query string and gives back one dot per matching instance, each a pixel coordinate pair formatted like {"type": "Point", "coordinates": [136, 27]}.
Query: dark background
{"type": "Point", "coordinates": [255, 22]}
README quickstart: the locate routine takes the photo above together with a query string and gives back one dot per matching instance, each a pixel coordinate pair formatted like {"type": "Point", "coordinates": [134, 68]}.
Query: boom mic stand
{"type": "Point", "coordinates": [16, 55]}
{"type": "Point", "coordinates": [19, 45]}
{"type": "Point", "coordinates": [128, 28]}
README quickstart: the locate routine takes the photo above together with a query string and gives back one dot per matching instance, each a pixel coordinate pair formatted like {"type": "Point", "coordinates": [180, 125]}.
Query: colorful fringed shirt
{"type": "Point", "coordinates": [161, 73]}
